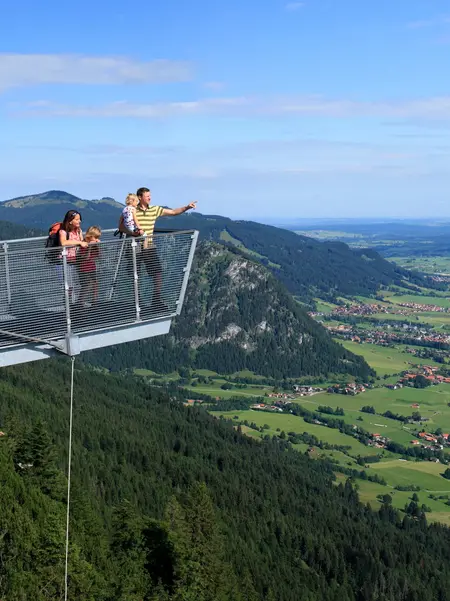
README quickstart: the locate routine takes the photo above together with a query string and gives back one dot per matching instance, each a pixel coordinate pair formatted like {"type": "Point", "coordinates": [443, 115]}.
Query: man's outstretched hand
{"type": "Point", "coordinates": [191, 205]}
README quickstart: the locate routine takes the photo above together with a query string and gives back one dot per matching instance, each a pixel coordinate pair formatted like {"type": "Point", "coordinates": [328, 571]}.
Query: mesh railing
{"type": "Point", "coordinates": [46, 294]}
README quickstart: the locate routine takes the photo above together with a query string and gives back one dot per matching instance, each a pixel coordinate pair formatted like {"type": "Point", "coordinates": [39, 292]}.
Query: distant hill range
{"type": "Point", "coordinates": [238, 316]}
{"type": "Point", "coordinates": [40, 210]}
{"type": "Point", "coordinates": [307, 267]}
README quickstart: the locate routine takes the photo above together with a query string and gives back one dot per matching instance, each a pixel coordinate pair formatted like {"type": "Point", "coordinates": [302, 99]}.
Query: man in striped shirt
{"type": "Point", "coordinates": [147, 215]}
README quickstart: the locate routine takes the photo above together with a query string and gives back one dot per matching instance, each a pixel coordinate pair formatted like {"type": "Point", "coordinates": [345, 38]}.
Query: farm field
{"type": "Point", "coordinates": [368, 492]}
{"type": "Point", "coordinates": [384, 360]}
{"type": "Point", "coordinates": [436, 320]}
{"type": "Point", "coordinates": [426, 474]}
{"type": "Point", "coordinates": [294, 423]}
{"type": "Point", "coordinates": [372, 423]}
{"type": "Point", "coordinates": [439, 301]}
{"type": "Point", "coordinates": [148, 373]}
{"type": "Point", "coordinates": [433, 403]}
{"type": "Point", "coordinates": [215, 390]}
{"type": "Point", "coordinates": [327, 234]}
{"type": "Point", "coordinates": [426, 264]}
{"type": "Point", "coordinates": [369, 301]}
{"type": "Point", "coordinates": [324, 307]}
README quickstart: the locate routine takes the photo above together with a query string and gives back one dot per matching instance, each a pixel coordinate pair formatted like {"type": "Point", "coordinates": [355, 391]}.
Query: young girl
{"type": "Point", "coordinates": [70, 235]}
{"type": "Point", "coordinates": [87, 268]}
{"type": "Point", "coordinates": [130, 220]}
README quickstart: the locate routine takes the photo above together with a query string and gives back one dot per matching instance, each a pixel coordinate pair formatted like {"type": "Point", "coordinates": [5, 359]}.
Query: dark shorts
{"type": "Point", "coordinates": [87, 278]}
{"type": "Point", "coordinates": [149, 257]}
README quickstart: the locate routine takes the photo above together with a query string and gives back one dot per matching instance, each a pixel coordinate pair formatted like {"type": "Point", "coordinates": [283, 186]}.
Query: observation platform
{"type": "Point", "coordinates": [48, 307]}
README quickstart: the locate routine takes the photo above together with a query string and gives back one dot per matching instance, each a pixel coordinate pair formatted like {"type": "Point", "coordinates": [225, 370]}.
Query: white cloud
{"type": "Point", "coordinates": [20, 70]}
{"type": "Point", "coordinates": [140, 111]}
{"type": "Point", "coordinates": [292, 6]}
{"type": "Point", "coordinates": [431, 109]}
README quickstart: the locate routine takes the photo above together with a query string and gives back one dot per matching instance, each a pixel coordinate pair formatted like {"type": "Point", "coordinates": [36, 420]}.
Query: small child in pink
{"type": "Point", "coordinates": [87, 266]}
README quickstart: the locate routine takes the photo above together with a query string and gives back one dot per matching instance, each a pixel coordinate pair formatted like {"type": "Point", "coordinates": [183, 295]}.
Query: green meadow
{"type": "Point", "coordinates": [425, 264]}
{"type": "Point", "coordinates": [216, 391]}
{"type": "Point", "coordinates": [437, 320]}
{"type": "Point", "coordinates": [384, 360]}
{"type": "Point", "coordinates": [439, 301]}
{"type": "Point", "coordinates": [278, 422]}
{"type": "Point", "coordinates": [324, 307]}
{"type": "Point", "coordinates": [375, 424]}
{"type": "Point", "coordinates": [433, 405]}
{"type": "Point", "coordinates": [426, 474]}
{"type": "Point", "coordinates": [368, 492]}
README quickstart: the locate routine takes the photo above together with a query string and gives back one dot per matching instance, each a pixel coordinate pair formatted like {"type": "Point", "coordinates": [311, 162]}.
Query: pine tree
{"type": "Point", "coordinates": [201, 570]}
{"type": "Point", "coordinates": [132, 582]}
{"type": "Point", "coordinates": [247, 588]}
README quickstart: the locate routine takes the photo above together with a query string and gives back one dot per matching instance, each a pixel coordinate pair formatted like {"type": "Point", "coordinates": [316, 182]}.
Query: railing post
{"type": "Point", "coordinates": [116, 271]}
{"type": "Point", "coordinates": [187, 270]}
{"type": "Point", "coordinates": [8, 279]}
{"type": "Point", "coordinates": [135, 279]}
{"type": "Point", "coordinates": [66, 290]}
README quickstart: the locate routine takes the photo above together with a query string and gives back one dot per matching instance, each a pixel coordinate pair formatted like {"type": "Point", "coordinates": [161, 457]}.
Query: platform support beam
{"type": "Point", "coordinates": [187, 270]}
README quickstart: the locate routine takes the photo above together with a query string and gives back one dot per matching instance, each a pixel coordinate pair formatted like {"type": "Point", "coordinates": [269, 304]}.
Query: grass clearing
{"type": "Point", "coordinates": [433, 264]}
{"type": "Point", "coordinates": [324, 307]}
{"type": "Point", "coordinates": [439, 301]}
{"type": "Point", "coordinates": [206, 373]}
{"type": "Point", "coordinates": [294, 423]}
{"type": "Point", "coordinates": [216, 391]}
{"type": "Point", "coordinates": [375, 424]}
{"type": "Point", "coordinates": [384, 360]}
{"type": "Point", "coordinates": [426, 474]}
{"type": "Point", "coordinates": [368, 492]}
{"type": "Point", "coordinates": [432, 403]}
{"type": "Point", "coordinates": [245, 373]}
{"type": "Point", "coordinates": [148, 373]}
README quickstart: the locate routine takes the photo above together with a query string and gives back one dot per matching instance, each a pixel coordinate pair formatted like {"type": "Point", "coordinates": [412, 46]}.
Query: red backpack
{"type": "Point", "coordinates": [52, 242]}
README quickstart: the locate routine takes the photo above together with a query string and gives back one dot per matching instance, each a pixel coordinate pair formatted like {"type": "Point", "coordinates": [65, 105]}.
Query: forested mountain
{"type": "Point", "coordinates": [9, 231]}
{"type": "Point", "coordinates": [170, 495]}
{"type": "Point", "coordinates": [41, 210]}
{"type": "Point", "coordinates": [236, 316]}
{"type": "Point", "coordinates": [307, 267]}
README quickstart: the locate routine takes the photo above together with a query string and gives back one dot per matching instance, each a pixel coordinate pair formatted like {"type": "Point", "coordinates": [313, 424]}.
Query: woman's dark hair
{"type": "Point", "coordinates": [68, 218]}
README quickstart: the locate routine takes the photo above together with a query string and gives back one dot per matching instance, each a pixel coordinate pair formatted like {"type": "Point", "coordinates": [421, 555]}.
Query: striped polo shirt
{"type": "Point", "coordinates": [147, 218]}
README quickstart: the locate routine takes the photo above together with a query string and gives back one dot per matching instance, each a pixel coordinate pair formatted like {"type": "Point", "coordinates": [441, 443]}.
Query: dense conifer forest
{"type": "Point", "coordinates": [170, 503]}
{"type": "Point", "coordinates": [238, 316]}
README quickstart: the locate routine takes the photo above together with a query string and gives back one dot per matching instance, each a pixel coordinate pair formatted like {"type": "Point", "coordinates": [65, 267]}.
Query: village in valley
{"type": "Point", "coordinates": [394, 427]}
{"type": "Point", "coordinates": [390, 431]}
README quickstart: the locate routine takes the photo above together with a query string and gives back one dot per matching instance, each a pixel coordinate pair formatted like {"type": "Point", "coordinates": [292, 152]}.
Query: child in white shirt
{"type": "Point", "coordinates": [130, 220]}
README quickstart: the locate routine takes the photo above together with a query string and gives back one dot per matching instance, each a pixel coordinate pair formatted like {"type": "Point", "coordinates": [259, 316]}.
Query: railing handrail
{"type": "Point", "coordinates": [157, 232]}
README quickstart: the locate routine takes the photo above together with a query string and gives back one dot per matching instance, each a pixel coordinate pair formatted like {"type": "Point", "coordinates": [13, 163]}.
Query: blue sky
{"type": "Point", "coordinates": [321, 108]}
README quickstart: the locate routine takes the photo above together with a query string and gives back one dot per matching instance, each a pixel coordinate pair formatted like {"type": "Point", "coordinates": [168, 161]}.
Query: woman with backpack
{"type": "Point", "coordinates": [70, 235]}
